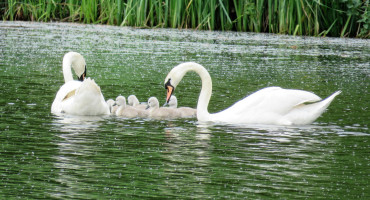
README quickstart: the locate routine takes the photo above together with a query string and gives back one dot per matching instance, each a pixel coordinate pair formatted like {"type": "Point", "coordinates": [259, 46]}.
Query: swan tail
{"type": "Point", "coordinates": [89, 85]}
{"type": "Point", "coordinates": [308, 113]}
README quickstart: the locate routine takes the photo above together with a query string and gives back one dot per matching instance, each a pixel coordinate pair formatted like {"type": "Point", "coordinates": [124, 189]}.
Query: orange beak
{"type": "Point", "coordinates": [169, 93]}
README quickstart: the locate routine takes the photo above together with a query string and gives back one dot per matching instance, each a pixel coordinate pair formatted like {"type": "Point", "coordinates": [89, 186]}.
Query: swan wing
{"type": "Point", "coordinates": [307, 113]}
{"type": "Point", "coordinates": [267, 105]}
{"type": "Point", "coordinates": [80, 98]}
{"type": "Point", "coordinates": [87, 100]}
{"type": "Point", "coordinates": [64, 92]}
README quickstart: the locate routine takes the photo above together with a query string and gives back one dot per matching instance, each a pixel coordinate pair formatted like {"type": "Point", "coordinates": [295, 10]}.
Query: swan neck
{"type": "Point", "coordinates": [205, 93]}
{"type": "Point", "coordinates": [67, 71]}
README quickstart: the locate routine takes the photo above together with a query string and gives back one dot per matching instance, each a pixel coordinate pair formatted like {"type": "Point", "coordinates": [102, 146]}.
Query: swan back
{"type": "Point", "coordinates": [86, 100]}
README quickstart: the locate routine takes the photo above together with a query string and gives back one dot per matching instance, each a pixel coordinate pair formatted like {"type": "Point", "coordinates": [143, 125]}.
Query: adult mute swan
{"type": "Point", "coordinates": [82, 97]}
{"type": "Point", "coordinates": [271, 105]}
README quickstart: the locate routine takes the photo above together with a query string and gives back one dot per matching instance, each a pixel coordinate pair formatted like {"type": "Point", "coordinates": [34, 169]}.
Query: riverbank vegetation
{"type": "Point", "coordinates": [340, 18]}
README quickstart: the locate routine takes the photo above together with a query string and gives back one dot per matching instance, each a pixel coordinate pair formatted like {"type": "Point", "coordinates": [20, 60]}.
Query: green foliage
{"type": "Point", "coordinates": [344, 18]}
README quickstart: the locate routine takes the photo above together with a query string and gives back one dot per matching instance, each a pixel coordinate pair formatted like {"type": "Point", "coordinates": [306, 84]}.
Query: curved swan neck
{"type": "Point", "coordinates": [205, 92]}
{"type": "Point", "coordinates": [77, 62]}
{"type": "Point", "coordinates": [67, 71]}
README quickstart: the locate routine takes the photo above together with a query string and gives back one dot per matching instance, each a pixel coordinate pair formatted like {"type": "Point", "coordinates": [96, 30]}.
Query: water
{"type": "Point", "coordinates": [65, 157]}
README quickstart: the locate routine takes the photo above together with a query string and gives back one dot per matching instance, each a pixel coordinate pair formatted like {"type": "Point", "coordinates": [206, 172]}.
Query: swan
{"type": "Point", "coordinates": [82, 97]}
{"type": "Point", "coordinates": [157, 112]}
{"type": "Point", "coordinates": [185, 112]}
{"type": "Point", "coordinates": [270, 105]}
{"type": "Point", "coordinates": [112, 106]}
{"type": "Point", "coordinates": [132, 100]}
{"type": "Point", "coordinates": [128, 111]}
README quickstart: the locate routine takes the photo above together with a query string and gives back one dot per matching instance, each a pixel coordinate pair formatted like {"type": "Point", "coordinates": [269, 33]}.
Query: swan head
{"type": "Point", "coordinates": [77, 62]}
{"type": "Point", "coordinates": [110, 103]}
{"type": "Point", "coordinates": [177, 73]}
{"type": "Point", "coordinates": [121, 101]}
{"type": "Point", "coordinates": [174, 77]}
{"type": "Point", "coordinates": [153, 103]}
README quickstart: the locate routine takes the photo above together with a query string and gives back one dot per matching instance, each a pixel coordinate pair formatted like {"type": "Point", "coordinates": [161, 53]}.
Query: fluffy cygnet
{"type": "Point", "coordinates": [128, 111]}
{"type": "Point", "coordinates": [157, 112]}
{"type": "Point", "coordinates": [186, 112]}
{"type": "Point", "coordinates": [132, 100]}
{"type": "Point", "coordinates": [112, 107]}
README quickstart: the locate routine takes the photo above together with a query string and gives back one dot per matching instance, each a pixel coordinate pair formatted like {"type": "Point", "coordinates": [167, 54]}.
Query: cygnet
{"type": "Point", "coordinates": [112, 106]}
{"type": "Point", "coordinates": [157, 112]}
{"type": "Point", "coordinates": [128, 111]}
{"type": "Point", "coordinates": [132, 100]}
{"type": "Point", "coordinates": [186, 112]}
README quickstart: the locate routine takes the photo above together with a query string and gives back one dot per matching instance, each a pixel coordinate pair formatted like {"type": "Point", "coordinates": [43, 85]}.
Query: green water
{"type": "Point", "coordinates": [65, 157]}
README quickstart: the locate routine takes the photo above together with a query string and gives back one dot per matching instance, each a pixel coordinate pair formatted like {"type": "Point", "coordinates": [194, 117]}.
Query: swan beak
{"type": "Point", "coordinates": [82, 77]}
{"type": "Point", "coordinates": [169, 93]}
{"type": "Point", "coordinates": [147, 107]}
{"type": "Point", "coordinates": [165, 104]}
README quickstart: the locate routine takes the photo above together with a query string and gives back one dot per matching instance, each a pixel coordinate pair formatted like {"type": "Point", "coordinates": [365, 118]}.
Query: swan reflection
{"type": "Point", "coordinates": [75, 142]}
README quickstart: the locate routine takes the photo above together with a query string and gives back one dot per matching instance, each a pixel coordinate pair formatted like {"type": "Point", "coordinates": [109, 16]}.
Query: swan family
{"type": "Point", "coordinates": [270, 105]}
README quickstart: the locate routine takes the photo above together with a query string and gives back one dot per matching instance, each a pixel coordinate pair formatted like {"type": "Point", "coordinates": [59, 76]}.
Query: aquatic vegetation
{"type": "Point", "coordinates": [344, 18]}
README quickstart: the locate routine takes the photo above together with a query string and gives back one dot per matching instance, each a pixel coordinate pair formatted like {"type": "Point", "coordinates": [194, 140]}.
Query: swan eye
{"type": "Point", "coordinates": [168, 83]}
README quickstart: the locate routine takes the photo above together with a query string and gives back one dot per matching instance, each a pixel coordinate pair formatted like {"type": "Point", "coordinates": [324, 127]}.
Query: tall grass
{"type": "Point", "coordinates": [342, 18]}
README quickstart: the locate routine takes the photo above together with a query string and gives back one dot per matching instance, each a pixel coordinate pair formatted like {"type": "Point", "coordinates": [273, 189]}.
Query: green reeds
{"type": "Point", "coordinates": [345, 18]}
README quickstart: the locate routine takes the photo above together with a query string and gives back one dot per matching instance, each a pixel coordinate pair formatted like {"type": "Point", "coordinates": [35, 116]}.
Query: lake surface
{"type": "Point", "coordinates": [43, 155]}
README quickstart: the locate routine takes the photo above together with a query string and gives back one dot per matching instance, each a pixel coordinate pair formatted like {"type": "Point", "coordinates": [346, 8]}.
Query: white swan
{"type": "Point", "coordinates": [128, 111]}
{"type": "Point", "coordinates": [157, 112]}
{"type": "Point", "coordinates": [271, 105]}
{"type": "Point", "coordinates": [81, 97]}
{"type": "Point", "coordinates": [185, 112]}
{"type": "Point", "coordinates": [132, 100]}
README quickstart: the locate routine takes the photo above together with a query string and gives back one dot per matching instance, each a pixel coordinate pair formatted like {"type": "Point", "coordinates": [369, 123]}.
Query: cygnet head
{"type": "Point", "coordinates": [121, 101]}
{"type": "Point", "coordinates": [173, 102]}
{"type": "Point", "coordinates": [77, 62]}
{"type": "Point", "coordinates": [110, 103]}
{"type": "Point", "coordinates": [132, 100]}
{"type": "Point", "coordinates": [153, 102]}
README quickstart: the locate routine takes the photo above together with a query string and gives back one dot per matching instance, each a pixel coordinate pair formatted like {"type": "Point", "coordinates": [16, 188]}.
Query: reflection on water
{"type": "Point", "coordinates": [77, 124]}
{"type": "Point", "coordinates": [74, 144]}
{"type": "Point", "coordinates": [72, 157]}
